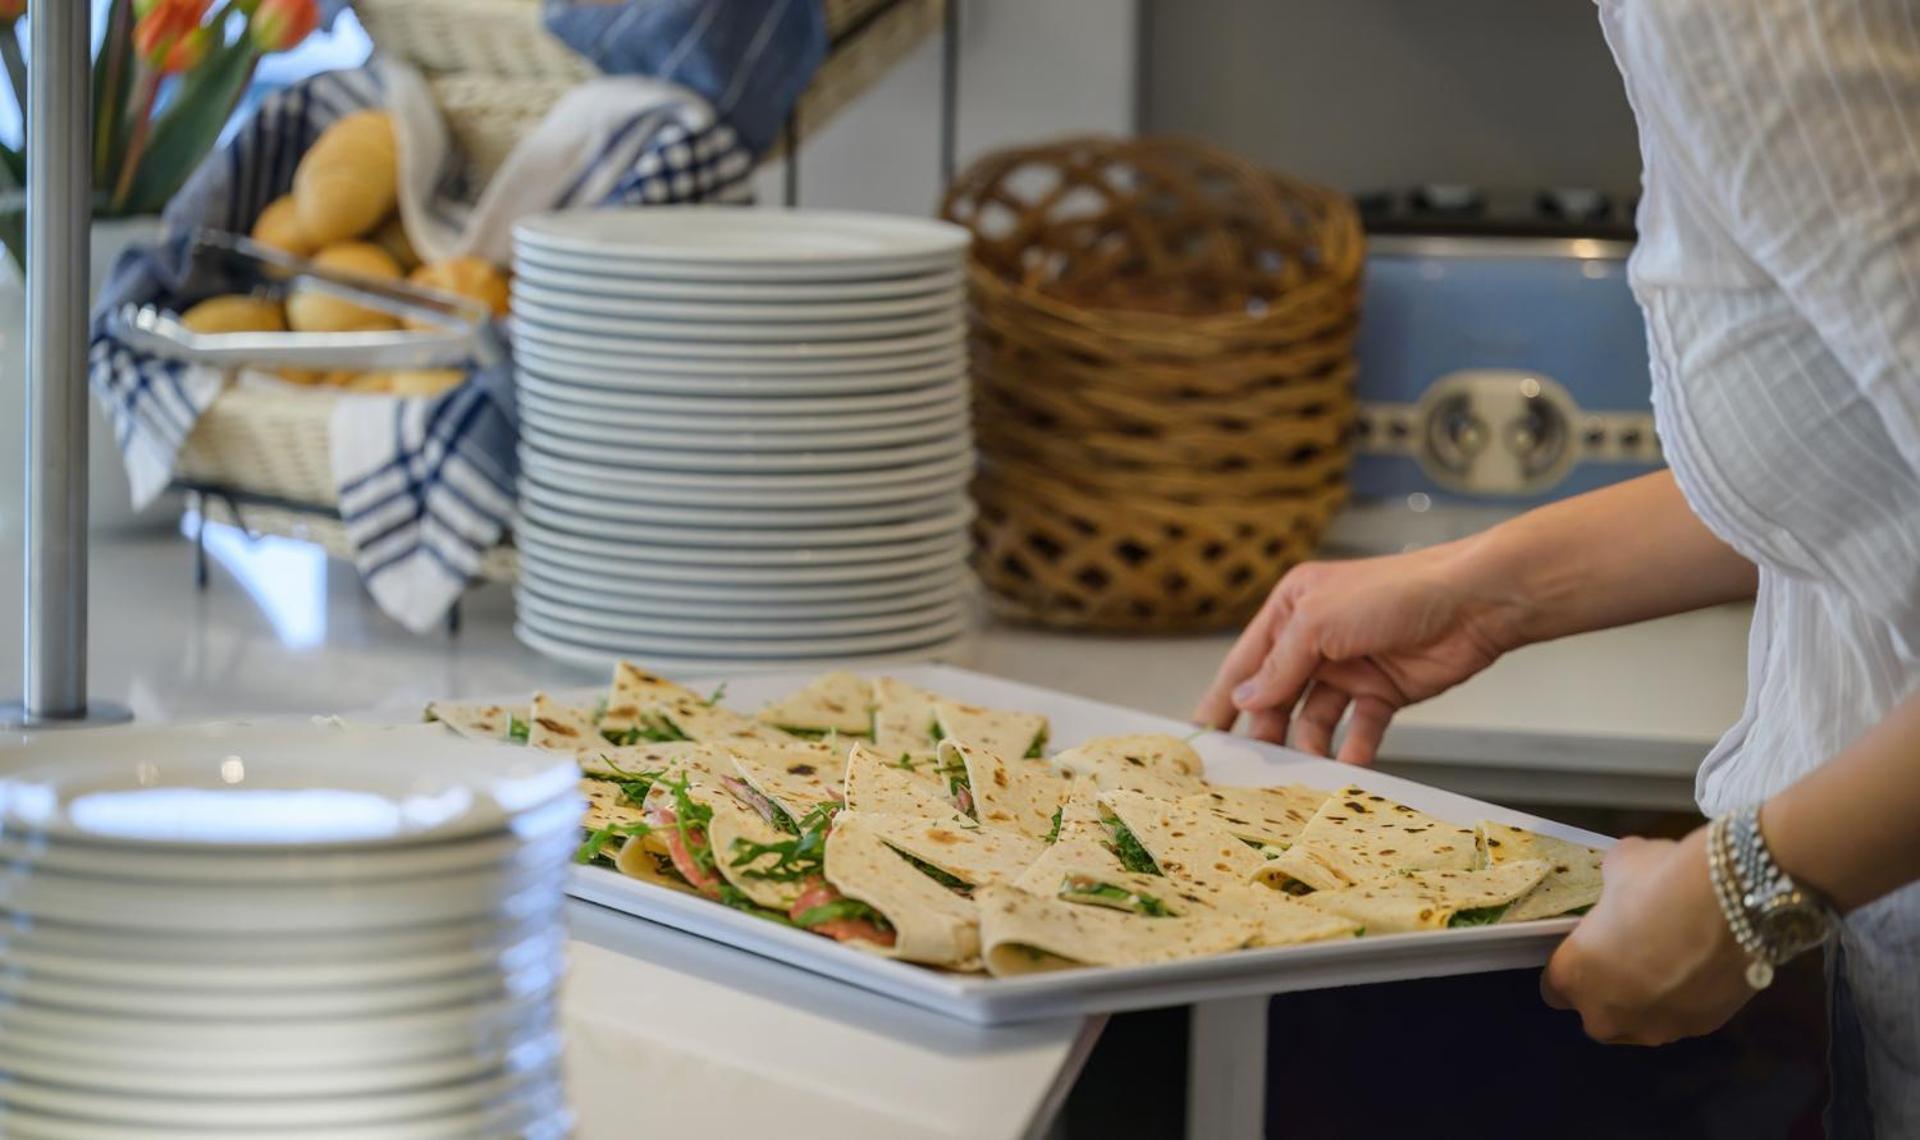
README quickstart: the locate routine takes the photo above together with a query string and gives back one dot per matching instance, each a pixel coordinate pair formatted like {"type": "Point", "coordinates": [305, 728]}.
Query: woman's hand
{"type": "Point", "coordinates": [1654, 961]}
{"type": "Point", "coordinates": [1374, 635]}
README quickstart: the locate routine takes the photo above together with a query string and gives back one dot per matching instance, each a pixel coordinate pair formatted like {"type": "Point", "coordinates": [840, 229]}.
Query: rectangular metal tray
{"type": "Point", "coordinates": [989, 1001]}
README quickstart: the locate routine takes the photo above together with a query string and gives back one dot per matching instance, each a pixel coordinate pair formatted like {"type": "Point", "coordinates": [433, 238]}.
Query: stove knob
{"type": "Point", "coordinates": [1449, 198]}
{"type": "Point", "coordinates": [1574, 204]}
{"type": "Point", "coordinates": [1496, 432]}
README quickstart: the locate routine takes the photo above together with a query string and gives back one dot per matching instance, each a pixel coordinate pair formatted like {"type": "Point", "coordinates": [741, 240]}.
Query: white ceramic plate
{"type": "Point", "coordinates": [314, 785]}
{"type": "Point", "coordinates": [922, 379]}
{"type": "Point", "coordinates": [536, 838]}
{"type": "Point", "coordinates": [599, 659]}
{"type": "Point", "coordinates": [725, 494]}
{"type": "Point", "coordinates": [741, 416]}
{"type": "Point", "coordinates": [631, 569]}
{"type": "Point", "coordinates": [543, 1118]}
{"type": "Point", "coordinates": [577, 263]}
{"type": "Point", "coordinates": [629, 606]}
{"type": "Point", "coordinates": [744, 648]}
{"type": "Point", "coordinates": [650, 462]}
{"type": "Point", "coordinates": [275, 908]}
{"type": "Point", "coordinates": [666, 553]}
{"type": "Point", "coordinates": [682, 334]}
{"type": "Point", "coordinates": [614, 507]}
{"type": "Point", "coordinates": [560, 618]}
{"type": "Point", "coordinates": [915, 395]}
{"type": "Point", "coordinates": [704, 542]}
{"type": "Point", "coordinates": [585, 574]}
{"type": "Point", "coordinates": [271, 1114]}
{"type": "Point", "coordinates": [912, 480]}
{"type": "Point", "coordinates": [586, 298]}
{"type": "Point", "coordinates": [722, 437]}
{"type": "Point", "coordinates": [224, 1083]}
{"type": "Point", "coordinates": [536, 272]}
{"type": "Point", "coordinates": [689, 241]}
{"type": "Point", "coordinates": [668, 355]}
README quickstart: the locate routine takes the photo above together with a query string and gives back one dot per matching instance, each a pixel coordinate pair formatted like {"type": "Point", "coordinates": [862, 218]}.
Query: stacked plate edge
{"type": "Point", "coordinates": [288, 930]}
{"type": "Point", "coordinates": [745, 437]}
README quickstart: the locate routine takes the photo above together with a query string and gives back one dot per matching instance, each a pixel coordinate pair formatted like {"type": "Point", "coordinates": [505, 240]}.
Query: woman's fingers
{"type": "Point", "coordinates": [1319, 717]}
{"type": "Point", "coordinates": [1371, 715]}
{"type": "Point", "coordinates": [1268, 725]}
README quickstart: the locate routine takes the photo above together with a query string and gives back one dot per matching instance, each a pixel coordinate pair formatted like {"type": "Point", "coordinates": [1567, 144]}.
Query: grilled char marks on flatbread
{"type": "Point", "coordinates": [1271, 817]}
{"type": "Point", "coordinates": [1572, 883]}
{"type": "Point", "coordinates": [607, 806]}
{"type": "Point", "coordinates": [959, 846]}
{"type": "Point", "coordinates": [476, 720]}
{"type": "Point", "coordinates": [1015, 794]}
{"type": "Point", "coordinates": [838, 702]}
{"type": "Point", "coordinates": [889, 784]}
{"type": "Point", "coordinates": [560, 728]}
{"type": "Point", "coordinates": [605, 761]}
{"type": "Point", "coordinates": [1009, 734]}
{"type": "Point", "coordinates": [1165, 767]}
{"type": "Point", "coordinates": [1024, 933]}
{"type": "Point", "coordinates": [642, 700]}
{"type": "Point", "coordinates": [902, 719]}
{"type": "Point", "coordinates": [931, 924]}
{"type": "Point", "coordinates": [796, 775]}
{"type": "Point", "coordinates": [1428, 900]}
{"type": "Point", "coordinates": [1357, 836]}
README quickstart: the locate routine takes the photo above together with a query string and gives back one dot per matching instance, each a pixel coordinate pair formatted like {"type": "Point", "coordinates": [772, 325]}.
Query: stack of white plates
{"type": "Point", "coordinates": [288, 930]}
{"type": "Point", "coordinates": [744, 436]}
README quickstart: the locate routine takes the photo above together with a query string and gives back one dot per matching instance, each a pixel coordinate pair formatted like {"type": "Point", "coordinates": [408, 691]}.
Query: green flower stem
{"type": "Point", "coordinates": [16, 65]}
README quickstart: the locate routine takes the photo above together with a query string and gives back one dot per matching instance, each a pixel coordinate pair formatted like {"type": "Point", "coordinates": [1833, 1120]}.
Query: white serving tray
{"type": "Point", "coordinates": [989, 1001]}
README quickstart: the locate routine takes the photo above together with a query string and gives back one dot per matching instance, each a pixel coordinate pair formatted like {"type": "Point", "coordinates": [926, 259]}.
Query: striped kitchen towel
{"type": "Point", "coordinates": [426, 486]}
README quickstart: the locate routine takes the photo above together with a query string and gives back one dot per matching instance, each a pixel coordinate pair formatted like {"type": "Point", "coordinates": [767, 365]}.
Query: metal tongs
{"type": "Point", "coordinates": [461, 332]}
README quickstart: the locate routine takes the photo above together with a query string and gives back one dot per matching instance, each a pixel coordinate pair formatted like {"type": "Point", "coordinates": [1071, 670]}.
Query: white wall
{"type": "Point", "coordinates": [1029, 70]}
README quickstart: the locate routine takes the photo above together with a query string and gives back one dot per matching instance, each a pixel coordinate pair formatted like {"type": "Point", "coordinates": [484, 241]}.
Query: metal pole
{"type": "Point", "coordinates": [949, 94]}
{"type": "Point", "coordinates": [59, 213]}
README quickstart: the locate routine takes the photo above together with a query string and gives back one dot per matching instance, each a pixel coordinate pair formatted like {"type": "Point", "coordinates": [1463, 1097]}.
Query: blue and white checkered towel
{"type": "Point", "coordinates": [426, 486]}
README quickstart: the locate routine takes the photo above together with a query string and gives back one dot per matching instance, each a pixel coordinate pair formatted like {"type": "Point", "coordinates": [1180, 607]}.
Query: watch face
{"type": "Point", "coordinates": [1793, 923]}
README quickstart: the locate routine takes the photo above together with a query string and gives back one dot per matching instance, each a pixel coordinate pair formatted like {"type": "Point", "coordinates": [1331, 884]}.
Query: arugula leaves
{"type": "Point", "coordinates": [1053, 833]}
{"type": "Point", "coordinates": [517, 729]}
{"type": "Point", "coordinates": [1479, 916]}
{"type": "Point", "coordinates": [955, 771]}
{"type": "Point", "coordinates": [1038, 749]}
{"type": "Point", "coordinates": [719, 695]}
{"type": "Point", "coordinates": [946, 879]}
{"type": "Point", "coordinates": [838, 910]}
{"type": "Point", "coordinates": [597, 841]}
{"type": "Point", "coordinates": [794, 860]}
{"type": "Point", "coordinates": [654, 730]}
{"type": "Point", "coordinates": [1127, 848]}
{"type": "Point", "coordinates": [1143, 904]}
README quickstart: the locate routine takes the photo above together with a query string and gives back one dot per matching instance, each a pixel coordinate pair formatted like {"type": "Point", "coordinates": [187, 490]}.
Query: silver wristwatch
{"type": "Point", "coordinates": [1773, 917]}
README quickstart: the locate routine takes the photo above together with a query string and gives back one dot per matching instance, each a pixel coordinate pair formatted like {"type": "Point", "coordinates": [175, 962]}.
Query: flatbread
{"type": "Point", "coordinates": [1572, 882]}
{"type": "Point", "coordinates": [1010, 734]}
{"type": "Point", "coordinates": [617, 762]}
{"type": "Point", "coordinates": [1078, 860]}
{"type": "Point", "coordinates": [1357, 836]}
{"type": "Point", "coordinates": [606, 807]}
{"type": "Point", "coordinates": [1428, 900]}
{"type": "Point", "coordinates": [1272, 817]}
{"type": "Point", "coordinates": [639, 699]}
{"type": "Point", "coordinates": [735, 822]}
{"type": "Point", "coordinates": [931, 923]}
{"type": "Point", "coordinates": [902, 719]}
{"type": "Point", "coordinates": [1194, 850]}
{"type": "Point", "coordinates": [1019, 795]}
{"type": "Point", "coordinates": [1023, 933]}
{"type": "Point", "coordinates": [797, 775]}
{"type": "Point", "coordinates": [1155, 765]}
{"type": "Point", "coordinates": [560, 728]}
{"type": "Point", "coordinates": [879, 784]}
{"type": "Point", "coordinates": [477, 720]}
{"type": "Point", "coordinates": [837, 702]}
{"type": "Point", "coordinates": [960, 846]}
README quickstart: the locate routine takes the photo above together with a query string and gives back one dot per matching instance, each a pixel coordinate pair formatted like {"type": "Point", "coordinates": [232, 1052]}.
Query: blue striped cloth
{"type": "Point", "coordinates": [426, 486]}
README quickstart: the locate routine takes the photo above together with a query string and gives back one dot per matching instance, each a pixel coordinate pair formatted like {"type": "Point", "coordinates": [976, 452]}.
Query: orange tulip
{"type": "Point", "coordinates": [188, 51]}
{"type": "Point", "coordinates": [280, 25]}
{"type": "Point", "coordinates": [163, 27]}
{"type": "Point", "coordinates": [11, 10]}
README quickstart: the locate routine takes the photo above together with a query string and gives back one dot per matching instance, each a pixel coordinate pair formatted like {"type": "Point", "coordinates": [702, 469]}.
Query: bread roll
{"type": "Point", "coordinates": [349, 180]}
{"type": "Point", "coordinates": [308, 311]}
{"type": "Point", "coordinates": [392, 237]}
{"type": "Point", "coordinates": [411, 383]}
{"type": "Point", "coordinates": [278, 227]}
{"type": "Point", "coordinates": [235, 313]}
{"type": "Point", "coordinates": [467, 277]}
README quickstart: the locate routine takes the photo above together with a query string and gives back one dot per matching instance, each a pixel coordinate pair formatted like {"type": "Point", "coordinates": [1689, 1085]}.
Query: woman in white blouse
{"type": "Point", "coordinates": [1779, 269]}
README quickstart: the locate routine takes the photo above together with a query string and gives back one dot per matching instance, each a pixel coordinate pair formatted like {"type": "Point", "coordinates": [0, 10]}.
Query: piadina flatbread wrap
{"type": "Point", "coordinates": [1357, 836]}
{"type": "Point", "coordinates": [560, 727]}
{"type": "Point", "coordinates": [605, 761]}
{"type": "Point", "coordinates": [1165, 767]}
{"type": "Point", "coordinates": [1020, 794]}
{"type": "Point", "coordinates": [902, 719]}
{"type": "Point", "coordinates": [791, 778]}
{"type": "Point", "coordinates": [1573, 879]}
{"type": "Point", "coordinates": [837, 704]}
{"type": "Point", "coordinates": [642, 707]}
{"type": "Point", "coordinates": [1013, 734]}
{"type": "Point", "coordinates": [478, 720]}
{"type": "Point", "coordinates": [1431, 900]}
{"type": "Point", "coordinates": [1024, 933]}
{"type": "Point", "coordinates": [886, 784]}
{"type": "Point", "coordinates": [907, 914]}
{"type": "Point", "coordinates": [957, 852]}
{"type": "Point", "coordinates": [1270, 818]}
{"type": "Point", "coordinates": [1182, 841]}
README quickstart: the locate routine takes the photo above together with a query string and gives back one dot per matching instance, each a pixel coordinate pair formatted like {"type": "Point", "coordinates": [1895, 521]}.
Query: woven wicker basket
{"type": "Point", "coordinates": [264, 440]}
{"type": "Point", "coordinates": [1163, 364]}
